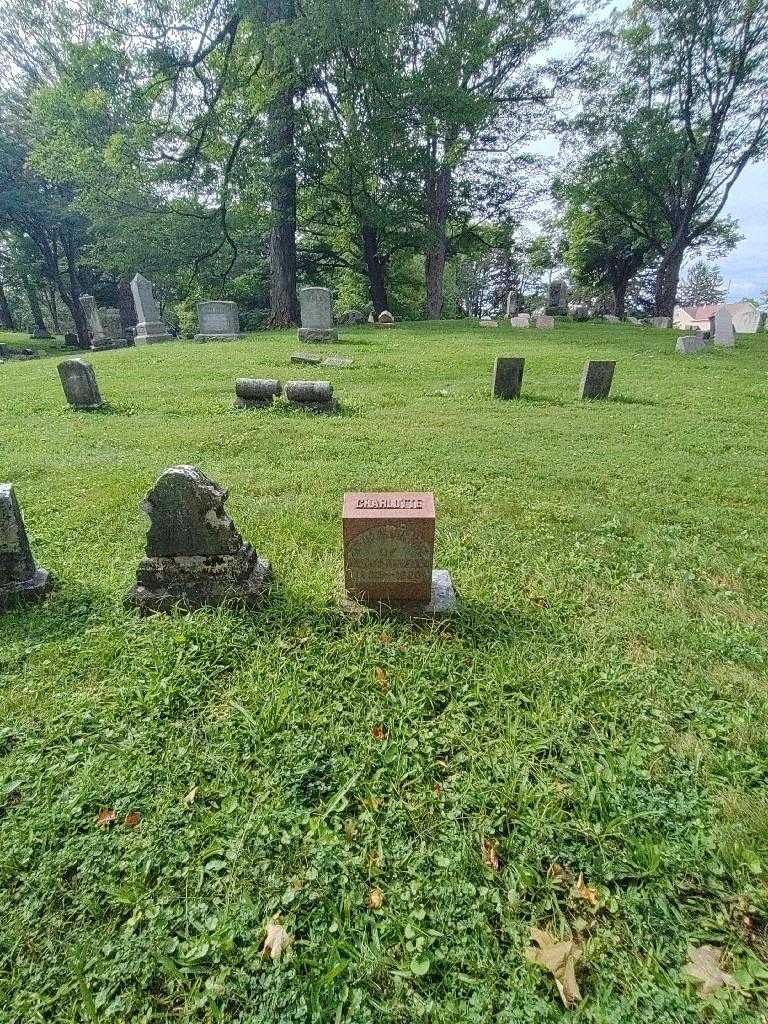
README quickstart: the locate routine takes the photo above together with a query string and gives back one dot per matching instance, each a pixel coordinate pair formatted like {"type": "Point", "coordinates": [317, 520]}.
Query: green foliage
{"type": "Point", "coordinates": [701, 285]}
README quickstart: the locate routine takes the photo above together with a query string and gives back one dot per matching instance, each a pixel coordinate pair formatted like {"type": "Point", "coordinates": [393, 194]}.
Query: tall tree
{"type": "Point", "coordinates": [703, 284]}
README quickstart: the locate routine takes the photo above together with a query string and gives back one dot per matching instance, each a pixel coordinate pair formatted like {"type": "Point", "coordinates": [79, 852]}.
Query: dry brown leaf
{"type": "Point", "coordinates": [378, 732]}
{"type": "Point", "coordinates": [559, 958]}
{"type": "Point", "coordinates": [704, 967]}
{"type": "Point", "coordinates": [105, 819]}
{"type": "Point", "coordinates": [490, 855]}
{"type": "Point", "coordinates": [132, 819]}
{"type": "Point", "coordinates": [381, 678]}
{"type": "Point", "coordinates": [189, 799]}
{"type": "Point", "coordinates": [586, 893]}
{"type": "Point", "coordinates": [276, 942]}
{"type": "Point", "coordinates": [375, 898]}
{"type": "Point", "coordinates": [559, 874]}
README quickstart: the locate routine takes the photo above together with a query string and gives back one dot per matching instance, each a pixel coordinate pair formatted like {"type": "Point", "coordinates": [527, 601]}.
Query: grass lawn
{"type": "Point", "coordinates": [596, 710]}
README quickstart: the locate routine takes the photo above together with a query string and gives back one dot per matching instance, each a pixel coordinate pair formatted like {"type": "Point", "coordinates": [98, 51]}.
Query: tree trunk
{"type": "Point", "coordinates": [438, 192]}
{"type": "Point", "coordinates": [375, 269]}
{"type": "Point", "coordinates": [53, 307]}
{"type": "Point", "coordinates": [6, 317]}
{"type": "Point", "coordinates": [667, 278]}
{"type": "Point", "coordinates": [620, 285]}
{"type": "Point", "coordinates": [282, 241]}
{"type": "Point", "coordinates": [34, 302]}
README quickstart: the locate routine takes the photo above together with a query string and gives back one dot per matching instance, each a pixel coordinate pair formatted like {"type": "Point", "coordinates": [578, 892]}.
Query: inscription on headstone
{"type": "Point", "coordinates": [316, 315]}
{"type": "Point", "coordinates": [219, 321]}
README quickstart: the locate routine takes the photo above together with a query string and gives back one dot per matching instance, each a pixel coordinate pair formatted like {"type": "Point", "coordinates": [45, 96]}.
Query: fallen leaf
{"type": "Point", "coordinates": [559, 874]}
{"type": "Point", "coordinates": [437, 789]}
{"type": "Point", "coordinates": [276, 942]}
{"type": "Point", "coordinates": [132, 819]}
{"type": "Point", "coordinates": [189, 799]}
{"type": "Point", "coordinates": [490, 856]}
{"type": "Point", "coordinates": [381, 678]}
{"type": "Point", "coordinates": [559, 958]}
{"type": "Point", "coordinates": [704, 967]}
{"type": "Point", "coordinates": [379, 732]}
{"type": "Point", "coordinates": [105, 819]}
{"type": "Point", "coordinates": [586, 893]}
{"type": "Point", "coordinates": [375, 898]}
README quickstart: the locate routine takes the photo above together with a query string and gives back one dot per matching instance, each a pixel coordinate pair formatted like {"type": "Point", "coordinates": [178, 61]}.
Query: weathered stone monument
{"type": "Point", "coordinates": [557, 299]}
{"type": "Point", "coordinates": [253, 393]}
{"type": "Point", "coordinates": [316, 315]}
{"type": "Point", "coordinates": [195, 556]}
{"type": "Point", "coordinates": [96, 331]}
{"type": "Point", "coordinates": [545, 322]}
{"type": "Point", "coordinates": [114, 335]}
{"type": "Point", "coordinates": [487, 322]}
{"type": "Point", "coordinates": [507, 376]}
{"type": "Point", "coordinates": [389, 543]}
{"type": "Point", "coordinates": [661, 321]}
{"type": "Point", "coordinates": [313, 358]}
{"type": "Point", "coordinates": [149, 327]}
{"type": "Point", "coordinates": [353, 317]}
{"type": "Point", "coordinates": [218, 320]}
{"type": "Point", "coordinates": [689, 344]}
{"type": "Point", "coordinates": [520, 320]}
{"type": "Point", "coordinates": [385, 319]}
{"type": "Point", "coordinates": [597, 378]}
{"type": "Point", "coordinates": [312, 395]}
{"type": "Point", "coordinates": [721, 328]}
{"type": "Point", "coordinates": [20, 578]}
{"type": "Point", "coordinates": [79, 382]}
{"type": "Point", "coordinates": [513, 305]}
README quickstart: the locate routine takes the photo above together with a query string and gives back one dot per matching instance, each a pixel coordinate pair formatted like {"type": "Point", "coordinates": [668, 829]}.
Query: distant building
{"type": "Point", "coordinates": [747, 318]}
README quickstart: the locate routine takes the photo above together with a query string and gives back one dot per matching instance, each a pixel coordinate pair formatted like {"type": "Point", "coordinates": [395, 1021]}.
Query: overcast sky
{"type": "Point", "coordinates": [746, 268]}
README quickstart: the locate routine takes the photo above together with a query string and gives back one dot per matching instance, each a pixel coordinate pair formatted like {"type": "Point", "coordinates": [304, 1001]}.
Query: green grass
{"type": "Point", "coordinates": [51, 346]}
{"type": "Point", "coordinates": [597, 707]}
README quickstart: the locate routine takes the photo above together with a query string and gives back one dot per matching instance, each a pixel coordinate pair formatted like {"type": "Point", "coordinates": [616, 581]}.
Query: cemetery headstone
{"type": "Point", "coordinates": [557, 299]}
{"type": "Point", "coordinates": [71, 340]}
{"type": "Point", "coordinates": [253, 393]}
{"type": "Point", "coordinates": [40, 332]}
{"type": "Point", "coordinates": [521, 320]}
{"type": "Point", "coordinates": [113, 332]}
{"type": "Point", "coordinates": [721, 328]}
{"type": "Point", "coordinates": [610, 318]}
{"type": "Point", "coordinates": [597, 378]}
{"type": "Point", "coordinates": [385, 319]}
{"type": "Point", "coordinates": [487, 322]}
{"type": "Point", "coordinates": [20, 578]}
{"type": "Point", "coordinates": [88, 305]}
{"type": "Point", "coordinates": [306, 357]}
{"type": "Point", "coordinates": [545, 322]}
{"type": "Point", "coordinates": [688, 344]}
{"type": "Point", "coordinates": [312, 395]}
{"type": "Point", "coordinates": [79, 382]}
{"type": "Point", "coordinates": [513, 304]}
{"type": "Point", "coordinates": [389, 540]}
{"type": "Point", "coordinates": [579, 313]}
{"type": "Point", "coordinates": [218, 320]}
{"type": "Point", "coordinates": [508, 376]}
{"type": "Point", "coordinates": [149, 327]}
{"type": "Point", "coordinates": [661, 321]}
{"type": "Point", "coordinates": [195, 556]}
{"type": "Point", "coordinates": [634, 320]}
{"type": "Point", "coordinates": [316, 315]}
{"type": "Point", "coordinates": [353, 317]}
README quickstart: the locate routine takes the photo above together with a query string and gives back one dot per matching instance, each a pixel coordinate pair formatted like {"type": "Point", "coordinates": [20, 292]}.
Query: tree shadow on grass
{"type": "Point", "coordinates": [626, 400]}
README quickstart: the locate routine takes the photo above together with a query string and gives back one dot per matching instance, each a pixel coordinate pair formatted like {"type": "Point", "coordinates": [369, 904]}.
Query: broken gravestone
{"type": "Point", "coordinates": [20, 578]}
{"type": "Point", "coordinates": [195, 556]}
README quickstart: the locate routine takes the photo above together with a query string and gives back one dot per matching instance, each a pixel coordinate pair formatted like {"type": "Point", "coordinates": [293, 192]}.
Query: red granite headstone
{"type": "Point", "coordinates": [389, 540]}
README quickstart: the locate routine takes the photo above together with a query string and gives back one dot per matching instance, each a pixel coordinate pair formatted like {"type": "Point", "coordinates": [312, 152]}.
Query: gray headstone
{"type": "Point", "coordinates": [218, 320]}
{"type": "Point", "coordinates": [634, 320]}
{"type": "Point", "coordinates": [521, 320]}
{"type": "Point", "coordinates": [557, 298]}
{"type": "Point", "coordinates": [513, 305]}
{"type": "Point", "coordinates": [545, 322]}
{"type": "Point", "coordinates": [689, 344]}
{"type": "Point", "coordinates": [79, 382]}
{"type": "Point", "coordinates": [609, 318]}
{"type": "Point", "coordinates": [38, 333]}
{"type": "Point", "coordinates": [354, 317]}
{"type": "Point", "coordinates": [385, 318]}
{"type": "Point", "coordinates": [721, 328]}
{"type": "Point", "coordinates": [596, 379]}
{"type": "Point", "coordinates": [149, 326]}
{"type": "Point", "coordinates": [195, 555]}
{"type": "Point", "coordinates": [88, 304]}
{"type": "Point", "coordinates": [487, 322]}
{"type": "Point", "coordinates": [508, 376]}
{"type": "Point", "coordinates": [579, 313]}
{"type": "Point", "coordinates": [255, 393]}
{"type": "Point", "coordinates": [20, 579]}
{"type": "Point", "coordinates": [306, 357]}
{"type": "Point", "coordinates": [661, 321]}
{"type": "Point", "coordinates": [316, 315]}
{"type": "Point", "coordinates": [316, 395]}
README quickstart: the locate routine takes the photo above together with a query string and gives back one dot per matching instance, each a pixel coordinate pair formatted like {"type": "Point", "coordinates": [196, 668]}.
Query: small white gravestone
{"type": "Point", "coordinates": [149, 328]}
{"type": "Point", "coordinates": [721, 328]}
{"type": "Point", "coordinates": [219, 321]}
{"type": "Point", "coordinates": [521, 320]}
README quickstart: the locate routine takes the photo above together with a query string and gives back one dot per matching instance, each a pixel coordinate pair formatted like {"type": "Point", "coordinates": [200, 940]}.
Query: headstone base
{"type": "Point", "coordinates": [442, 601]}
{"type": "Point", "coordinates": [386, 323]}
{"type": "Point", "coordinates": [200, 581]}
{"type": "Point", "coordinates": [151, 334]}
{"type": "Point", "coordinates": [216, 337]}
{"type": "Point", "coordinates": [27, 591]}
{"type": "Point", "coordinates": [317, 334]}
{"type": "Point", "coordinates": [107, 344]}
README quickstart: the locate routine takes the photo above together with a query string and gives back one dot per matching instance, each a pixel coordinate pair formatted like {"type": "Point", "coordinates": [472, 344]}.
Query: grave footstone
{"type": "Point", "coordinates": [596, 378]}
{"type": "Point", "coordinates": [312, 395]}
{"type": "Point", "coordinates": [79, 382]}
{"type": "Point", "coordinates": [508, 376]}
{"type": "Point", "coordinates": [688, 344]}
{"type": "Point", "coordinates": [306, 357]}
{"type": "Point", "coordinates": [316, 315]}
{"type": "Point", "coordinates": [545, 322]}
{"type": "Point", "coordinates": [20, 578]}
{"type": "Point", "coordinates": [149, 327]}
{"type": "Point", "coordinates": [195, 556]}
{"type": "Point", "coordinates": [218, 320]}
{"type": "Point", "coordinates": [721, 328]}
{"type": "Point", "coordinates": [255, 393]}
{"type": "Point", "coordinates": [389, 540]}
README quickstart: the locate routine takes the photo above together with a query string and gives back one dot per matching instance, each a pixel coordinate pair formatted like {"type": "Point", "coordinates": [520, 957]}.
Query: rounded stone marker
{"type": "Point", "coordinates": [309, 391]}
